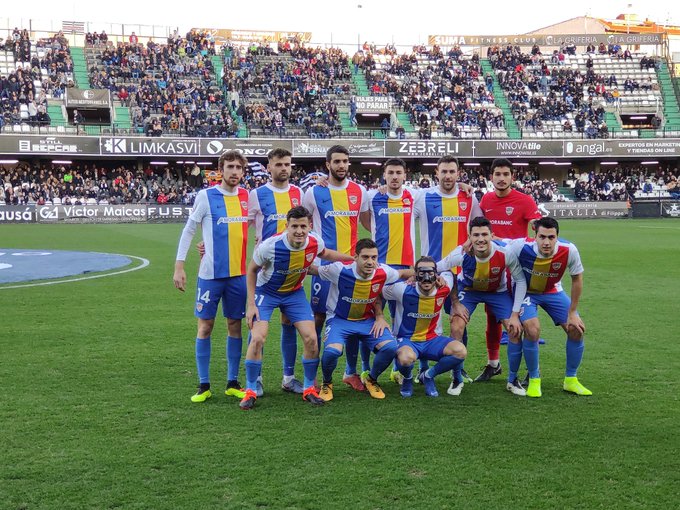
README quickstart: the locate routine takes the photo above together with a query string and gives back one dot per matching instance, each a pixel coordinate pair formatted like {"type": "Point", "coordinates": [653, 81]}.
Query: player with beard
{"type": "Point", "coordinates": [511, 213]}
{"type": "Point", "coordinates": [337, 208]}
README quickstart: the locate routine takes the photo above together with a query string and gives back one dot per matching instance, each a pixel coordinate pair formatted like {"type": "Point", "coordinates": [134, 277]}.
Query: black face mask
{"type": "Point", "coordinates": [426, 275]}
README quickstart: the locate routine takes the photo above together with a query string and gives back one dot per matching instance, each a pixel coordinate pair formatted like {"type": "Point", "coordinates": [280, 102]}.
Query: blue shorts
{"type": "Point", "coordinates": [338, 331]}
{"type": "Point", "coordinates": [500, 303]}
{"type": "Point", "coordinates": [556, 304]}
{"type": "Point", "coordinates": [293, 304]}
{"type": "Point", "coordinates": [319, 294]}
{"type": "Point", "coordinates": [432, 350]}
{"type": "Point", "coordinates": [231, 291]}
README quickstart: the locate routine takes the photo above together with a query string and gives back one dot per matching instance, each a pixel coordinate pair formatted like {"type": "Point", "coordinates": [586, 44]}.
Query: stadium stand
{"type": "Point", "coordinates": [563, 95]}
{"type": "Point", "coordinates": [443, 95]}
{"type": "Point", "coordinates": [33, 75]}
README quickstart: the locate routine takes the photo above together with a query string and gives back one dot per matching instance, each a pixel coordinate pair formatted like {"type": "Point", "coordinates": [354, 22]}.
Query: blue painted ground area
{"type": "Point", "coordinates": [25, 265]}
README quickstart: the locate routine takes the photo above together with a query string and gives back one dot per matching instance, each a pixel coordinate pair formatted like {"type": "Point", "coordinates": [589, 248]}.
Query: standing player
{"type": "Point", "coordinates": [274, 280]}
{"type": "Point", "coordinates": [510, 213]}
{"type": "Point", "coordinates": [336, 211]}
{"type": "Point", "coordinates": [267, 208]}
{"type": "Point", "coordinates": [444, 213]}
{"type": "Point", "coordinates": [392, 219]}
{"type": "Point", "coordinates": [544, 261]}
{"type": "Point", "coordinates": [355, 311]}
{"type": "Point", "coordinates": [417, 326]}
{"type": "Point", "coordinates": [483, 279]}
{"type": "Point", "coordinates": [222, 213]}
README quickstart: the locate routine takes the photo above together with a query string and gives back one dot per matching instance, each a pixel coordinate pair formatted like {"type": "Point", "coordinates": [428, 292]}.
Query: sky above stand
{"type": "Point", "coordinates": [340, 21]}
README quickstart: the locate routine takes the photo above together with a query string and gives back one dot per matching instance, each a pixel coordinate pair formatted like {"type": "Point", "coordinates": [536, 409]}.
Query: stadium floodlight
{"type": "Point", "coordinates": [638, 117]}
{"type": "Point", "coordinates": [471, 164]}
{"type": "Point", "coordinates": [204, 163]}
{"type": "Point", "coordinates": [61, 162]}
{"type": "Point", "coordinates": [8, 161]}
{"type": "Point", "coordinates": [370, 114]}
{"type": "Point", "coordinates": [609, 163]}
{"type": "Point", "coordinates": [187, 162]}
{"type": "Point", "coordinates": [429, 164]}
{"type": "Point", "coordinates": [649, 163]}
{"type": "Point", "coordinates": [520, 164]}
{"type": "Point", "coordinates": [563, 163]}
{"type": "Point", "coordinates": [158, 163]}
{"type": "Point", "coordinates": [374, 163]}
{"type": "Point", "coordinates": [546, 162]}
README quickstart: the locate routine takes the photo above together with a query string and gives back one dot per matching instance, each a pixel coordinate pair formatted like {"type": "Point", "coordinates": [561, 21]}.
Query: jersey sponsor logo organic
{"type": "Point", "coordinates": [330, 214]}
{"type": "Point", "coordinates": [357, 301]}
{"type": "Point", "coordinates": [235, 219]}
{"type": "Point", "coordinates": [449, 219]}
{"type": "Point", "coordinates": [416, 315]}
{"type": "Point", "coordinates": [276, 217]}
{"type": "Point", "coordinates": [394, 210]}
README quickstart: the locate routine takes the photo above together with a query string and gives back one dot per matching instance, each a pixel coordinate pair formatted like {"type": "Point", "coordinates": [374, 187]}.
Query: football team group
{"type": "Point", "coordinates": [470, 253]}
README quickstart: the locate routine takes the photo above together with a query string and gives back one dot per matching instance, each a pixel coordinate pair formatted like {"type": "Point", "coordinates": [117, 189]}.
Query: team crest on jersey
{"type": "Point", "coordinates": [495, 270]}
{"type": "Point", "coordinates": [199, 307]}
{"type": "Point", "coordinates": [295, 202]}
{"type": "Point", "coordinates": [353, 199]}
{"type": "Point", "coordinates": [463, 206]}
{"type": "Point", "coordinates": [309, 257]}
{"type": "Point", "coordinates": [440, 301]}
{"type": "Point", "coordinates": [508, 210]}
{"type": "Point", "coordinates": [244, 204]}
{"type": "Point", "coordinates": [407, 201]}
{"type": "Point", "coordinates": [557, 265]}
{"type": "Point", "coordinates": [375, 287]}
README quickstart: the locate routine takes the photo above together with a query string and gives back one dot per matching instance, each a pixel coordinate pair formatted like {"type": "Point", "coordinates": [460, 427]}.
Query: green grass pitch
{"type": "Point", "coordinates": [96, 378]}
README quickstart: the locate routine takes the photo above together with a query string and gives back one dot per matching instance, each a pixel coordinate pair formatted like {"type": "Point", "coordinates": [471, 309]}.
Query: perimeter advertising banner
{"type": "Point", "coordinates": [518, 148]}
{"type": "Point", "coordinates": [253, 147]}
{"type": "Point", "coordinates": [52, 145]}
{"type": "Point", "coordinates": [583, 210]}
{"type": "Point", "coordinates": [17, 214]}
{"type": "Point", "coordinates": [91, 213]}
{"type": "Point", "coordinates": [428, 148]}
{"type": "Point", "coordinates": [312, 148]}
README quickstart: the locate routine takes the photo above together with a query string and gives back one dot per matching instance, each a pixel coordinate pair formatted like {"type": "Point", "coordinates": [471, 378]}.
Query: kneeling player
{"type": "Point", "coordinates": [544, 262]}
{"type": "Point", "coordinates": [483, 280]}
{"type": "Point", "coordinates": [284, 260]}
{"type": "Point", "coordinates": [355, 311]}
{"type": "Point", "coordinates": [417, 323]}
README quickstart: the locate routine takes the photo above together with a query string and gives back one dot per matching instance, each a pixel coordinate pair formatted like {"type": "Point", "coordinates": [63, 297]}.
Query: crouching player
{"type": "Point", "coordinates": [483, 280]}
{"type": "Point", "coordinates": [354, 310]}
{"type": "Point", "coordinates": [544, 262]}
{"type": "Point", "coordinates": [417, 325]}
{"type": "Point", "coordinates": [274, 280]}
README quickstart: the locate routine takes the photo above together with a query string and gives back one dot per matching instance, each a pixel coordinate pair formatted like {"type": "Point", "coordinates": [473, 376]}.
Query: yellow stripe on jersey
{"type": "Point", "coordinates": [232, 205]}
{"type": "Point", "coordinates": [282, 203]}
{"type": "Point", "coordinates": [362, 291]}
{"type": "Point", "coordinates": [343, 228]}
{"type": "Point", "coordinates": [296, 261]}
{"type": "Point", "coordinates": [538, 282]}
{"type": "Point", "coordinates": [395, 245]}
{"type": "Point", "coordinates": [425, 312]}
{"type": "Point", "coordinates": [450, 229]}
{"type": "Point", "coordinates": [481, 279]}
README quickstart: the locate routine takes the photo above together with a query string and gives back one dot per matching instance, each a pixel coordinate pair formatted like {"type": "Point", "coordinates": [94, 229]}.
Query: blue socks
{"type": "Point", "coordinates": [574, 356]}
{"type": "Point", "coordinates": [310, 367]}
{"type": "Point", "coordinates": [203, 360]}
{"type": "Point", "coordinates": [445, 364]}
{"type": "Point", "coordinates": [351, 356]}
{"type": "Point", "coordinates": [234, 347]}
{"type": "Point", "coordinates": [365, 356]}
{"type": "Point", "coordinates": [530, 350]}
{"type": "Point", "coordinates": [383, 358]}
{"type": "Point", "coordinates": [329, 361]}
{"type": "Point", "coordinates": [253, 369]}
{"type": "Point", "coordinates": [405, 370]}
{"type": "Point", "coordinates": [514, 359]}
{"type": "Point", "coordinates": [288, 348]}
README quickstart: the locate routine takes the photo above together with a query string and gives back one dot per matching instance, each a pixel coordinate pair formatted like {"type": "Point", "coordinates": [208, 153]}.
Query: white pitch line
{"type": "Point", "coordinates": [662, 228]}
{"type": "Point", "coordinates": [144, 263]}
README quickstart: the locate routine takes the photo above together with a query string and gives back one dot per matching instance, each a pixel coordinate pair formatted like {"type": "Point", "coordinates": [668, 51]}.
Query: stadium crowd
{"type": "Point", "coordinates": [81, 184]}
{"type": "Point", "coordinates": [170, 88]}
{"type": "Point", "coordinates": [298, 89]}
{"type": "Point", "coordinates": [440, 92]}
{"type": "Point", "coordinates": [41, 69]}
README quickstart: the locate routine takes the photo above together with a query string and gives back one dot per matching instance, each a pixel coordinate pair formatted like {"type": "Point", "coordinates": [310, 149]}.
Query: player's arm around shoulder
{"type": "Point", "coordinates": [335, 256]}
{"type": "Point", "coordinates": [453, 259]}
